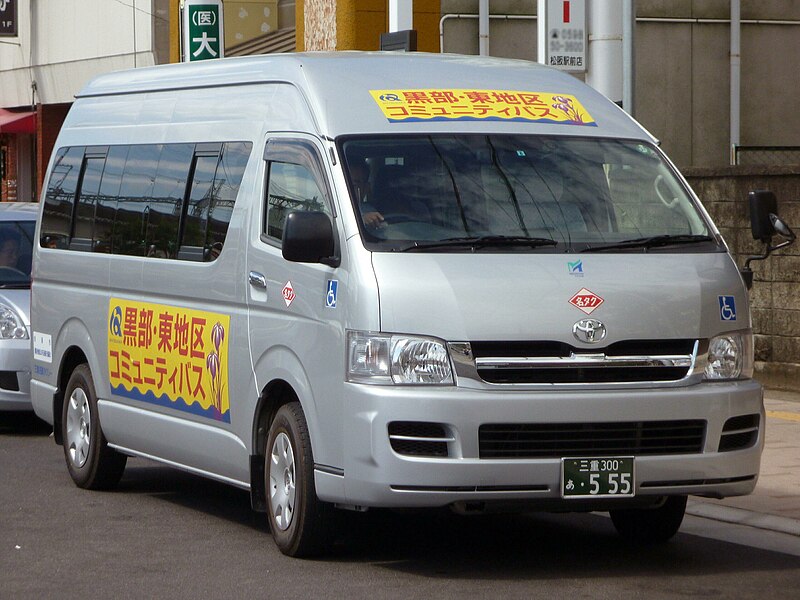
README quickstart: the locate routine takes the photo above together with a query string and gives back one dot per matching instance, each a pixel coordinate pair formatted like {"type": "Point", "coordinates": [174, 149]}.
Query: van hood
{"type": "Point", "coordinates": [527, 296]}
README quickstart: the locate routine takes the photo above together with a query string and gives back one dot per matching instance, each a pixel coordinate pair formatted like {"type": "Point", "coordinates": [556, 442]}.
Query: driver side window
{"type": "Point", "coordinates": [294, 184]}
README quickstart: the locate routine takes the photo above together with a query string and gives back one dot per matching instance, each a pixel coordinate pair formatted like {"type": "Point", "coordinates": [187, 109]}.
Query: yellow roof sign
{"type": "Point", "coordinates": [480, 105]}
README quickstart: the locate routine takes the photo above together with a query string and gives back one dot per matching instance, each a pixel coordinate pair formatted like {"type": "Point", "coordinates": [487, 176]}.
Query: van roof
{"type": "Point", "coordinates": [378, 92]}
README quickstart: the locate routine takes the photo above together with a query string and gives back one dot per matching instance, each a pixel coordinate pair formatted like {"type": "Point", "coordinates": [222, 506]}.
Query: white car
{"type": "Point", "coordinates": [17, 225]}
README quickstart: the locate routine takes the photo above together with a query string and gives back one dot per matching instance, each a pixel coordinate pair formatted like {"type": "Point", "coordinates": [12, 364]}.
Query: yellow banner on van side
{"type": "Point", "coordinates": [404, 106]}
{"type": "Point", "coordinates": [169, 356]}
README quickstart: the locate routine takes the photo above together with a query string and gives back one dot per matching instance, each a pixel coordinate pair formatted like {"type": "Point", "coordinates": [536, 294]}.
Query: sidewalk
{"type": "Point", "coordinates": [775, 503]}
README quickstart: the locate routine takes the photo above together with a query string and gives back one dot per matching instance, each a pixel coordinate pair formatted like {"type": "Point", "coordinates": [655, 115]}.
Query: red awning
{"type": "Point", "coordinates": [17, 122]}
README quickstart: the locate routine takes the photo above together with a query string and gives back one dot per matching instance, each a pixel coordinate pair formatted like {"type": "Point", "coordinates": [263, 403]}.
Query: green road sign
{"type": "Point", "coordinates": [202, 26]}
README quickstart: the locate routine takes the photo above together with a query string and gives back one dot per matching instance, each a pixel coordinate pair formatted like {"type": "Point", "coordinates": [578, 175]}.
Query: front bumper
{"type": "Point", "coordinates": [15, 375]}
{"type": "Point", "coordinates": [376, 475]}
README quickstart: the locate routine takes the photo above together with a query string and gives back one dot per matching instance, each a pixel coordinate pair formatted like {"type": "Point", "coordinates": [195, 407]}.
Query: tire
{"type": "Point", "coordinates": [90, 462]}
{"type": "Point", "coordinates": [651, 526]}
{"type": "Point", "coordinates": [297, 518]}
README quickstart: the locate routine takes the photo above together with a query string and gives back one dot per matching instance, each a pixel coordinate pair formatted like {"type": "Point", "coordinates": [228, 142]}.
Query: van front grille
{"type": "Point", "coordinates": [556, 440]}
{"type": "Point", "coordinates": [630, 361]}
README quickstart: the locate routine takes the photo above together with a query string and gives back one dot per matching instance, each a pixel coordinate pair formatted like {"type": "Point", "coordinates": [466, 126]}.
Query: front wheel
{"type": "Point", "coordinates": [651, 525]}
{"type": "Point", "coordinates": [298, 520]}
{"type": "Point", "coordinates": [90, 462]}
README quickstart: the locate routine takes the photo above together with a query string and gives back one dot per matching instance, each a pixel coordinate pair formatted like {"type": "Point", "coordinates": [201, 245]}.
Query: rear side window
{"type": "Point", "coordinates": [155, 200]}
{"type": "Point", "coordinates": [60, 198]}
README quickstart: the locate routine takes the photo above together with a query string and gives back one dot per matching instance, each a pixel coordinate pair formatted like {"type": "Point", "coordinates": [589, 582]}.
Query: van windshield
{"type": "Point", "coordinates": [519, 193]}
{"type": "Point", "coordinates": [16, 241]}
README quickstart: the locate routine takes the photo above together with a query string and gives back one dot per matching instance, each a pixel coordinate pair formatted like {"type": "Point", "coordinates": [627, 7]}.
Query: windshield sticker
{"type": "Point", "coordinates": [409, 106]}
{"type": "Point", "coordinates": [727, 308]}
{"type": "Point", "coordinates": [170, 356]}
{"type": "Point", "coordinates": [586, 300]}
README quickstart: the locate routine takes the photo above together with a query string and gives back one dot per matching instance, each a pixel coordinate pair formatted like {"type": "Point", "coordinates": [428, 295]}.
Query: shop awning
{"type": "Point", "coordinates": [17, 122]}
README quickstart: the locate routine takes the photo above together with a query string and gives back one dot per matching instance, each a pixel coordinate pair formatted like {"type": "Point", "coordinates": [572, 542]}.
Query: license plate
{"type": "Point", "coordinates": [597, 477]}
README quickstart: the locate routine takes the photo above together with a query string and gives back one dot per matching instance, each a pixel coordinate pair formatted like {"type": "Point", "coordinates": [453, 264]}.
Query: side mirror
{"type": "Point", "coordinates": [308, 238]}
{"type": "Point", "coordinates": [765, 224]}
{"type": "Point", "coordinates": [763, 204]}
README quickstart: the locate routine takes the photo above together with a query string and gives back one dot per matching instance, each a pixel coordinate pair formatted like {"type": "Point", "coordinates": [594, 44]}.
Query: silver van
{"type": "Point", "coordinates": [344, 281]}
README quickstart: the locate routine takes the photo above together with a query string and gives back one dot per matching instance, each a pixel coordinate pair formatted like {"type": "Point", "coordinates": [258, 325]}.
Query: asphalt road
{"type": "Point", "coordinates": [167, 534]}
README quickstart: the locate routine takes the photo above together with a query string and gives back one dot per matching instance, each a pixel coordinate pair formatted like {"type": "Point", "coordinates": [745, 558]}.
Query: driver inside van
{"type": "Point", "coordinates": [359, 174]}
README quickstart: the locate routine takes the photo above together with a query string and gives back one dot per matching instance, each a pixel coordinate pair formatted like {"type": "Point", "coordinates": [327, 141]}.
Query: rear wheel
{"type": "Point", "coordinates": [653, 525]}
{"type": "Point", "coordinates": [90, 462]}
{"type": "Point", "coordinates": [298, 520]}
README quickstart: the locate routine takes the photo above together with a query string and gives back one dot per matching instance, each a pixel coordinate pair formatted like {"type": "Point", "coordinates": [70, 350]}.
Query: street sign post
{"type": "Point", "coordinates": [562, 34]}
{"type": "Point", "coordinates": [8, 18]}
{"type": "Point", "coordinates": [202, 30]}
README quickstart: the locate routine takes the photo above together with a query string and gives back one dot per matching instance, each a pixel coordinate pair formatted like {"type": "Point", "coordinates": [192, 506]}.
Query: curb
{"type": "Point", "coordinates": [740, 516]}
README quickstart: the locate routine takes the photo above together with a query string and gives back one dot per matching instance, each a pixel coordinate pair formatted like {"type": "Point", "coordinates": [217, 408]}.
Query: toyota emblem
{"type": "Point", "coordinates": [590, 331]}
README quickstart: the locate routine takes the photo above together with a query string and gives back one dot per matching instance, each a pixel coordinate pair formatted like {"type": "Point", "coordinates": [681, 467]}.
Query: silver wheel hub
{"type": "Point", "coordinates": [79, 427]}
{"type": "Point", "coordinates": [282, 481]}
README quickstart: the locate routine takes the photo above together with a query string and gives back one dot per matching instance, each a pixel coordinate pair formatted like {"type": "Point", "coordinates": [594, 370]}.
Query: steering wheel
{"type": "Point", "coordinates": [12, 270]}
{"type": "Point", "coordinates": [669, 203]}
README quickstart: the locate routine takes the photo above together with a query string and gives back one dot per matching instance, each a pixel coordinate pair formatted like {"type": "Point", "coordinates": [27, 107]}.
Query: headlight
{"type": "Point", "coordinates": [11, 325]}
{"type": "Point", "coordinates": [398, 359]}
{"type": "Point", "coordinates": [730, 356]}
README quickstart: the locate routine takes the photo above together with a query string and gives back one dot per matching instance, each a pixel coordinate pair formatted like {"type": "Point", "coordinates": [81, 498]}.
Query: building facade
{"type": "Point", "coordinates": [58, 47]}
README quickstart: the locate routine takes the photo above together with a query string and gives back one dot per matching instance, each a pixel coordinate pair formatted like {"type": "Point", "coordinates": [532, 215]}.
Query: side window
{"type": "Point", "coordinates": [201, 195]}
{"type": "Point", "coordinates": [166, 201]}
{"type": "Point", "coordinates": [60, 198]}
{"type": "Point", "coordinates": [215, 184]}
{"type": "Point", "coordinates": [296, 183]}
{"type": "Point", "coordinates": [88, 194]}
{"type": "Point", "coordinates": [227, 182]}
{"type": "Point", "coordinates": [155, 200]}
{"type": "Point", "coordinates": [130, 221]}
{"type": "Point", "coordinates": [107, 201]}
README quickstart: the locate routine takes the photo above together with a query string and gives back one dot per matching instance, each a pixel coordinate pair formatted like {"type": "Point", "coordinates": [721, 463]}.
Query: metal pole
{"type": "Point", "coordinates": [604, 58]}
{"type": "Point", "coordinates": [735, 75]}
{"type": "Point", "coordinates": [628, 55]}
{"type": "Point", "coordinates": [483, 27]}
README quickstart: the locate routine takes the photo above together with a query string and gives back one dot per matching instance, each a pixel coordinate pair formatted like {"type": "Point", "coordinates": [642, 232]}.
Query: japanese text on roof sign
{"type": "Point", "coordinates": [170, 356]}
{"type": "Point", "coordinates": [480, 105]}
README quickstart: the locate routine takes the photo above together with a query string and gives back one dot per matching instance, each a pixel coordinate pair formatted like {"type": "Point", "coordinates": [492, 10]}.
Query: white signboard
{"type": "Point", "coordinates": [562, 34]}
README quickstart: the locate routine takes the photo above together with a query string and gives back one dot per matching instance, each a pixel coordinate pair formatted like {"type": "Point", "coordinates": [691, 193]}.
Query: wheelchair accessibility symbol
{"type": "Point", "coordinates": [330, 297]}
{"type": "Point", "coordinates": [727, 308]}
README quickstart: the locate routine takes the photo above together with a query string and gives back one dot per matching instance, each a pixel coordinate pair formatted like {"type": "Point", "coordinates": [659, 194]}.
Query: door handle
{"type": "Point", "coordinates": [257, 280]}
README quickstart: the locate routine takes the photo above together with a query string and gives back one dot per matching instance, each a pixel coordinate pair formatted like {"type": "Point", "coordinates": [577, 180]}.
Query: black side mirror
{"type": "Point", "coordinates": [765, 224]}
{"type": "Point", "coordinates": [762, 204]}
{"type": "Point", "coordinates": [308, 238]}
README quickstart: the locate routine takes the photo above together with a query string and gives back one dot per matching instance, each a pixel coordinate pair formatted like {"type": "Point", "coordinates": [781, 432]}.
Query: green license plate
{"type": "Point", "coordinates": [597, 477]}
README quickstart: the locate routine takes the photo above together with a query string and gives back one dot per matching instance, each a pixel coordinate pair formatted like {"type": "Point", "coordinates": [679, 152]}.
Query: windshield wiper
{"type": "Point", "coordinates": [484, 241]}
{"type": "Point", "coordinates": [654, 241]}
